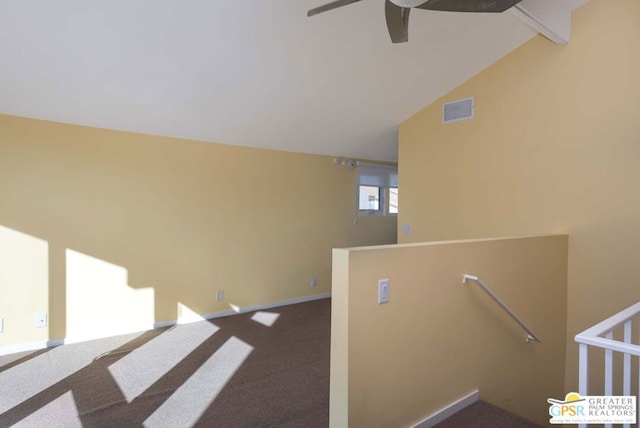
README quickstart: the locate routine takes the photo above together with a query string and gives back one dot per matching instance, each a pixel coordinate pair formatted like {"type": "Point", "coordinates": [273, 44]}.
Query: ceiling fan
{"type": "Point", "coordinates": [397, 11]}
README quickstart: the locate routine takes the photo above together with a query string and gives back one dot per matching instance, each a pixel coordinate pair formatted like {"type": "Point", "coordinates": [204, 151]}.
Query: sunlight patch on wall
{"type": "Point", "coordinates": [143, 367]}
{"type": "Point", "coordinates": [265, 318]}
{"type": "Point", "coordinates": [100, 302]}
{"type": "Point", "coordinates": [187, 315]}
{"type": "Point", "coordinates": [189, 402]}
{"type": "Point", "coordinates": [24, 286]}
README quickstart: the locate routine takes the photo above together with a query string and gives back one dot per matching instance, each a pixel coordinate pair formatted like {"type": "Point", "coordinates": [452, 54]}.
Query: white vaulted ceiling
{"type": "Point", "coordinates": [253, 72]}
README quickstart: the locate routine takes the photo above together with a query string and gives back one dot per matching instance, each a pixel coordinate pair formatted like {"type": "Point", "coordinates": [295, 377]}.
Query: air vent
{"type": "Point", "coordinates": [457, 110]}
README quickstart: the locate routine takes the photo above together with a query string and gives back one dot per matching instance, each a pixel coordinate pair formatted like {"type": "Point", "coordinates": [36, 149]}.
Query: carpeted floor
{"type": "Point", "coordinates": [485, 415]}
{"type": "Point", "coordinates": [263, 369]}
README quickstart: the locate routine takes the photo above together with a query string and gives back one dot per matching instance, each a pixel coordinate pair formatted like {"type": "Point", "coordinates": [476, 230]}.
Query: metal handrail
{"type": "Point", "coordinates": [531, 336]}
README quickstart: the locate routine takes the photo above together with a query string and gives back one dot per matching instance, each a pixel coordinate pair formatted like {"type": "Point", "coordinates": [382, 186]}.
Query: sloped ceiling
{"type": "Point", "coordinates": [253, 72]}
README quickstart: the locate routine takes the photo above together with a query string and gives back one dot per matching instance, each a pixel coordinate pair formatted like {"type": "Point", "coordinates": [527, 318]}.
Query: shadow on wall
{"type": "Point", "coordinates": [125, 219]}
{"type": "Point", "coordinates": [97, 298]}
{"type": "Point", "coordinates": [98, 301]}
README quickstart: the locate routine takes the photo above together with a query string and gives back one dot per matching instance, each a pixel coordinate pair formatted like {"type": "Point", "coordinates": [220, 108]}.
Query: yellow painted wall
{"type": "Point", "coordinates": [437, 340]}
{"type": "Point", "coordinates": [554, 147]}
{"type": "Point", "coordinates": [164, 222]}
{"type": "Point", "coordinates": [24, 261]}
{"type": "Point", "coordinates": [339, 366]}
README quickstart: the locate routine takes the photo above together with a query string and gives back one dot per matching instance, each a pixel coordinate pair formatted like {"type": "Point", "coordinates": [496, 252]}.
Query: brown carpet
{"type": "Point", "coordinates": [265, 369]}
{"type": "Point", "coordinates": [485, 415]}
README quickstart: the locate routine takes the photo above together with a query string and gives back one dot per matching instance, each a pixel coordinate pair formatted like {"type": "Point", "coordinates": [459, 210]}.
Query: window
{"type": "Point", "coordinates": [393, 200]}
{"type": "Point", "coordinates": [377, 191]}
{"type": "Point", "coordinates": [369, 198]}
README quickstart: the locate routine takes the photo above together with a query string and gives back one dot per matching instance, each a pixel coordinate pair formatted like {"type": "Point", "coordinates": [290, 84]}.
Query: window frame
{"type": "Point", "coordinates": [385, 178]}
{"type": "Point", "coordinates": [389, 199]}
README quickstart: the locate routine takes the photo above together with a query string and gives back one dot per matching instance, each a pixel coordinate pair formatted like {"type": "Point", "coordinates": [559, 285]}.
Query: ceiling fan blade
{"type": "Point", "coordinates": [329, 6]}
{"type": "Point", "coordinates": [493, 6]}
{"type": "Point", "coordinates": [397, 22]}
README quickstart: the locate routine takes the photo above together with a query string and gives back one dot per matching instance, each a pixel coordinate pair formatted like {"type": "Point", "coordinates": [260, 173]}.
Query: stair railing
{"type": "Point", "coordinates": [531, 336]}
{"type": "Point", "coordinates": [601, 336]}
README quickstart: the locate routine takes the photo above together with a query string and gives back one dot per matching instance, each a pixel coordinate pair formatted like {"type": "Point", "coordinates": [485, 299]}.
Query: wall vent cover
{"type": "Point", "coordinates": [458, 110]}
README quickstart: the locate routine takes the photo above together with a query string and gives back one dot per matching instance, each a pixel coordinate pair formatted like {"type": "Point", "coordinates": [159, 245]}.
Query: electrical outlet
{"type": "Point", "coordinates": [1, 325]}
{"type": "Point", "coordinates": [314, 281]}
{"type": "Point", "coordinates": [41, 319]}
{"type": "Point", "coordinates": [219, 295]}
{"type": "Point", "coordinates": [383, 291]}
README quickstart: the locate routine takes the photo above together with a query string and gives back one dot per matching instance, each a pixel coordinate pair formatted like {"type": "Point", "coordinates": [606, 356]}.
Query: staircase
{"type": "Point", "coordinates": [485, 415]}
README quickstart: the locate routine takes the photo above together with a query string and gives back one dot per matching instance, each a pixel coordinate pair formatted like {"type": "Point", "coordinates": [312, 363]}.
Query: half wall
{"type": "Point", "coordinates": [436, 340]}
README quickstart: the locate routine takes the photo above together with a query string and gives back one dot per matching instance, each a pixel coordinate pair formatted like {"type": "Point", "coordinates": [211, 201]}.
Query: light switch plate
{"type": "Point", "coordinates": [383, 291]}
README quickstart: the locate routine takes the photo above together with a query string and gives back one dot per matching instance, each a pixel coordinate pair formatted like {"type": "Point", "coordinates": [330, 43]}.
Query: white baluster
{"type": "Point", "coordinates": [626, 386]}
{"type": "Point", "coordinates": [608, 371]}
{"type": "Point", "coordinates": [626, 365]}
{"type": "Point", "coordinates": [608, 368]}
{"type": "Point", "coordinates": [583, 373]}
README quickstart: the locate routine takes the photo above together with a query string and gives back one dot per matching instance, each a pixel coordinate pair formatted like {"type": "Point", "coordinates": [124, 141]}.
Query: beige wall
{"type": "Point", "coordinates": [339, 366]}
{"type": "Point", "coordinates": [554, 147]}
{"type": "Point", "coordinates": [438, 340]}
{"type": "Point", "coordinates": [135, 225]}
{"type": "Point", "coordinates": [24, 261]}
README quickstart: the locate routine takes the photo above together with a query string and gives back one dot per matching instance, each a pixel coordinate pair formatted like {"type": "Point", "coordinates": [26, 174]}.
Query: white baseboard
{"type": "Point", "coordinates": [272, 305]}
{"type": "Point", "coordinates": [449, 410]}
{"type": "Point", "coordinates": [236, 310]}
{"type": "Point", "coordinates": [33, 346]}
